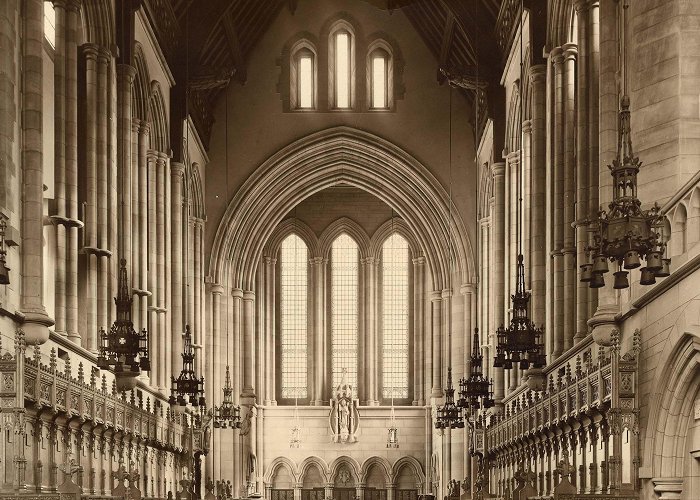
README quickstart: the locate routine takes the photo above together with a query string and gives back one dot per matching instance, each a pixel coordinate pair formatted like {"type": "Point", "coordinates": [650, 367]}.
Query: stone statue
{"type": "Point", "coordinates": [344, 417]}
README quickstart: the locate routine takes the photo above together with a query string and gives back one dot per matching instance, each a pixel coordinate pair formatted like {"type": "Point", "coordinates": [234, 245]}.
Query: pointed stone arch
{"type": "Point", "coordinates": [336, 228]}
{"type": "Point", "coordinates": [327, 158]}
{"type": "Point", "coordinates": [277, 463]}
{"type": "Point", "coordinates": [398, 226]}
{"type": "Point", "coordinates": [414, 465]}
{"type": "Point", "coordinates": [380, 462]}
{"type": "Point", "coordinates": [98, 17]}
{"type": "Point", "coordinates": [314, 461]}
{"type": "Point", "coordinates": [196, 192]}
{"type": "Point", "coordinates": [348, 461]}
{"type": "Point", "coordinates": [141, 96]}
{"type": "Point", "coordinates": [159, 117]}
{"type": "Point", "coordinates": [292, 226]}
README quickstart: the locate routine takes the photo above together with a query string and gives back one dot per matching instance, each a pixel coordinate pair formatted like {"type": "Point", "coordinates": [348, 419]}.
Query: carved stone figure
{"type": "Point", "coordinates": [344, 417]}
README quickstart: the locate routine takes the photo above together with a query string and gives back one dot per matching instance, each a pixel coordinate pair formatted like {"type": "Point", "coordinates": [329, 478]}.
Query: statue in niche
{"type": "Point", "coordinates": [344, 417]}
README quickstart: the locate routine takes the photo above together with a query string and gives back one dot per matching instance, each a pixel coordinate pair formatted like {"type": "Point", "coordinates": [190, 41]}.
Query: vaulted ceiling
{"type": "Point", "coordinates": [462, 34]}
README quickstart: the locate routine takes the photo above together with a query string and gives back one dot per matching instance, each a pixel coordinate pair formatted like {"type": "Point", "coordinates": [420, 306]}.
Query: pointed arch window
{"type": "Point", "coordinates": [395, 317]}
{"type": "Point", "coordinates": [344, 309]}
{"type": "Point", "coordinates": [341, 67]}
{"type": "Point", "coordinates": [380, 80]}
{"type": "Point", "coordinates": [293, 317]}
{"type": "Point", "coordinates": [303, 77]}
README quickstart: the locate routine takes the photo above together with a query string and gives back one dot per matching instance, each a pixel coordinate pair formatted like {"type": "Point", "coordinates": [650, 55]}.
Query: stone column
{"type": "Point", "coordinates": [436, 335]}
{"type": "Point", "coordinates": [168, 346]}
{"type": "Point", "coordinates": [125, 83]}
{"type": "Point", "coordinates": [270, 359]}
{"type": "Point", "coordinates": [59, 78]}
{"type": "Point", "coordinates": [103, 178]}
{"type": "Point", "coordinates": [157, 339]}
{"type": "Point", "coordinates": [318, 265]}
{"type": "Point", "coordinates": [248, 344]}
{"type": "Point", "coordinates": [36, 321]}
{"type": "Point", "coordinates": [135, 275]}
{"type": "Point", "coordinates": [370, 334]}
{"type": "Point", "coordinates": [538, 217]}
{"type": "Point", "coordinates": [197, 286]}
{"type": "Point", "coordinates": [418, 330]}
{"type": "Point", "coordinates": [603, 321]}
{"type": "Point", "coordinates": [557, 58]}
{"type": "Point", "coordinates": [177, 173]}
{"type": "Point", "coordinates": [71, 149]}
{"type": "Point", "coordinates": [90, 245]}
{"type": "Point", "coordinates": [142, 174]}
{"type": "Point", "coordinates": [499, 278]}
{"type": "Point", "coordinates": [582, 169]}
{"type": "Point", "coordinates": [592, 87]}
{"type": "Point", "coordinates": [569, 247]}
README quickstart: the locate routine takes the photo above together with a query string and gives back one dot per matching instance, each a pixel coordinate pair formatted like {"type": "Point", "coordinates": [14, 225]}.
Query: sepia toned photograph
{"type": "Point", "coordinates": [350, 249]}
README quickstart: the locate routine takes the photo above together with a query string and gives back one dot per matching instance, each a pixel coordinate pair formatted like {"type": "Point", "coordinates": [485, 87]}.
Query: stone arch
{"type": "Point", "coordinates": [350, 463]}
{"type": "Point", "coordinates": [485, 191]}
{"type": "Point", "coordinates": [560, 19]}
{"type": "Point", "coordinates": [512, 139]}
{"type": "Point", "coordinates": [196, 192]}
{"type": "Point", "coordinates": [395, 225]}
{"type": "Point", "coordinates": [317, 462]}
{"type": "Point", "coordinates": [679, 222]}
{"type": "Point", "coordinates": [413, 465]}
{"type": "Point", "coordinates": [326, 158]}
{"type": "Point", "coordinates": [675, 384]}
{"type": "Point", "coordinates": [693, 224]}
{"type": "Point", "coordinates": [292, 226]}
{"type": "Point", "coordinates": [384, 41]}
{"type": "Point", "coordinates": [142, 83]}
{"type": "Point", "coordinates": [278, 463]}
{"type": "Point", "coordinates": [380, 462]}
{"type": "Point", "coordinates": [99, 16]}
{"type": "Point", "coordinates": [336, 228]}
{"type": "Point", "coordinates": [159, 116]}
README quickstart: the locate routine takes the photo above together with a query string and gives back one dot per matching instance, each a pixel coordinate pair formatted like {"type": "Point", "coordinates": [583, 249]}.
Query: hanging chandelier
{"type": "Point", "coordinates": [123, 349]}
{"type": "Point", "coordinates": [475, 390]}
{"type": "Point", "coordinates": [449, 415]}
{"type": "Point", "coordinates": [227, 415]}
{"type": "Point", "coordinates": [626, 234]}
{"type": "Point", "coordinates": [520, 343]}
{"type": "Point", "coordinates": [187, 387]}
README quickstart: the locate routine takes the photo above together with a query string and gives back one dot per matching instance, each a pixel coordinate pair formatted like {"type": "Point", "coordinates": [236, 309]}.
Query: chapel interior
{"type": "Point", "coordinates": [350, 249]}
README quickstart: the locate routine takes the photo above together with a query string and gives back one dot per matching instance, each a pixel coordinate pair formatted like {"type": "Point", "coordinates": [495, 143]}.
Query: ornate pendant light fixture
{"type": "Point", "coordinates": [476, 390]}
{"type": "Point", "coordinates": [123, 349]}
{"type": "Point", "coordinates": [626, 234]}
{"type": "Point", "coordinates": [295, 438]}
{"type": "Point", "coordinates": [227, 414]}
{"type": "Point", "coordinates": [4, 270]}
{"type": "Point", "coordinates": [187, 387]}
{"type": "Point", "coordinates": [522, 342]}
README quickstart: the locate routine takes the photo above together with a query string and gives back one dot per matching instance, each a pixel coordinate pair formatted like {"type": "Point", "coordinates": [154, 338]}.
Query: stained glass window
{"type": "Point", "coordinates": [379, 80]}
{"type": "Point", "coordinates": [293, 316]}
{"type": "Point", "coordinates": [395, 317]}
{"type": "Point", "coordinates": [344, 308]}
{"type": "Point", "coordinates": [306, 80]}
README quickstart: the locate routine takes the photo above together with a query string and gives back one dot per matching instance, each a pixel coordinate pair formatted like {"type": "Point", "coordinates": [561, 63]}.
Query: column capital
{"type": "Point", "coordinates": [248, 295]}
{"type": "Point", "coordinates": [369, 260]}
{"type": "Point", "coordinates": [498, 169]}
{"type": "Point", "coordinates": [145, 128]}
{"type": "Point", "coordinates": [513, 157]}
{"type": "Point", "coordinates": [216, 288]}
{"type": "Point", "coordinates": [73, 5]}
{"type": "Point", "coordinates": [446, 293]}
{"type": "Point", "coordinates": [317, 261]}
{"type": "Point", "coordinates": [177, 170]}
{"type": "Point", "coordinates": [237, 293]}
{"type": "Point", "coordinates": [436, 296]}
{"type": "Point", "coordinates": [537, 73]}
{"type": "Point", "coordinates": [90, 50]}
{"type": "Point", "coordinates": [467, 288]}
{"type": "Point", "coordinates": [583, 5]}
{"type": "Point", "coordinates": [126, 71]}
{"type": "Point", "coordinates": [570, 51]}
{"type": "Point", "coordinates": [527, 126]}
{"type": "Point", "coordinates": [269, 260]}
{"type": "Point", "coordinates": [419, 261]}
{"type": "Point", "coordinates": [556, 55]}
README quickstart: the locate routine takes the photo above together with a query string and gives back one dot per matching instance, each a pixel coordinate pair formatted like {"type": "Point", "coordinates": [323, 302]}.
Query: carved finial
{"type": "Point", "coordinates": [93, 379]}
{"type": "Point", "coordinates": [19, 341]}
{"type": "Point", "coordinates": [52, 360]}
{"type": "Point", "coordinates": [37, 354]}
{"type": "Point", "coordinates": [104, 384]}
{"type": "Point", "coordinates": [615, 341]}
{"type": "Point", "coordinates": [114, 387]}
{"type": "Point", "coordinates": [81, 373]}
{"type": "Point", "coordinates": [132, 398]}
{"type": "Point", "coordinates": [637, 342]}
{"type": "Point", "coordinates": [579, 372]}
{"type": "Point", "coordinates": [67, 367]}
{"type": "Point", "coordinates": [148, 404]}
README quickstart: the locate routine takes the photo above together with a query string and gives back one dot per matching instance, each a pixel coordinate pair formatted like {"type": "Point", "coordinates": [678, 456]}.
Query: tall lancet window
{"type": "Point", "coordinates": [344, 308]}
{"type": "Point", "coordinates": [395, 303]}
{"type": "Point", "coordinates": [293, 316]}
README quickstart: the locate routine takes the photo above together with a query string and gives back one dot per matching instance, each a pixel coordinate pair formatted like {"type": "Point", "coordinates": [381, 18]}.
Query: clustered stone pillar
{"type": "Point", "coordinates": [177, 175]}
{"type": "Point", "coordinates": [36, 321]}
{"type": "Point", "coordinates": [557, 58]}
{"type": "Point", "coordinates": [436, 335]}
{"type": "Point", "coordinates": [271, 372]}
{"type": "Point", "coordinates": [498, 228]}
{"type": "Point", "coordinates": [370, 266]}
{"type": "Point", "coordinates": [318, 280]}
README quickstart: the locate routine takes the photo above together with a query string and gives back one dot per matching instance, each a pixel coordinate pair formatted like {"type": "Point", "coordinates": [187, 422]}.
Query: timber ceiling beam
{"type": "Point", "coordinates": [446, 45]}
{"type": "Point", "coordinates": [234, 45]}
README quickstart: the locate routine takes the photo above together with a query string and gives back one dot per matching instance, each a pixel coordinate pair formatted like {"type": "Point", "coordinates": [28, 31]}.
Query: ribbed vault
{"type": "Point", "coordinates": [327, 158]}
